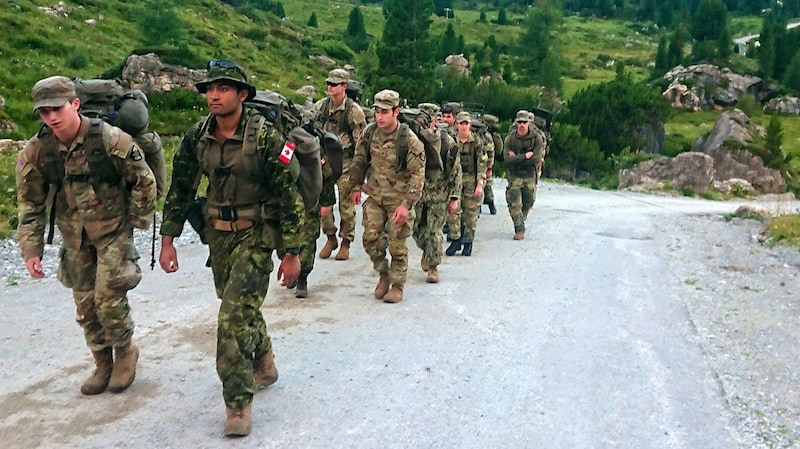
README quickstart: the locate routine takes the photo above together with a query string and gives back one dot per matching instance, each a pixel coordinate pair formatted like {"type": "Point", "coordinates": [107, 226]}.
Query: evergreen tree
{"type": "Point", "coordinates": [550, 72]}
{"type": "Point", "coordinates": [160, 24]}
{"type": "Point", "coordinates": [482, 16]}
{"type": "Point", "coordinates": [502, 17]}
{"type": "Point", "coordinates": [766, 50]}
{"type": "Point", "coordinates": [675, 50]}
{"type": "Point", "coordinates": [773, 153]}
{"type": "Point", "coordinates": [791, 79]}
{"type": "Point", "coordinates": [312, 21]}
{"type": "Point", "coordinates": [662, 58]}
{"type": "Point", "coordinates": [406, 53]}
{"type": "Point", "coordinates": [539, 30]}
{"type": "Point", "coordinates": [356, 33]}
{"type": "Point", "coordinates": [448, 45]}
{"type": "Point", "coordinates": [443, 8]}
{"type": "Point", "coordinates": [709, 21]}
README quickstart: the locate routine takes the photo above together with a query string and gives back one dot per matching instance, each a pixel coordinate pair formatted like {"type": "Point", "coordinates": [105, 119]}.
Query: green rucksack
{"type": "Point", "coordinates": [127, 110]}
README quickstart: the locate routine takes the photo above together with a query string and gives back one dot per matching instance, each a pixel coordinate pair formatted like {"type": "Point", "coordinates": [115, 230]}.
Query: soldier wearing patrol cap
{"type": "Point", "coordinates": [253, 207]}
{"type": "Point", "coordinates": [524, 154]}
{"type": "Point", "coordinates": [396, 159]}
{"type": "Point", "coordinates": [101, 188]}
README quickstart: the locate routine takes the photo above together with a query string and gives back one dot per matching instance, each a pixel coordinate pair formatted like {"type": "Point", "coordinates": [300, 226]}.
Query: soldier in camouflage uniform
{"type": "Point", "coordinates": [253, 207]}
{"type": "Point", "coordinates": [102, 189]}
{"type": "Point", "coordinates": [440, 197]}
{"type": "Point", "coordinates": [394, 188]}
{"type": "Point", "coordinates": [473, 174]}
{"type": "Point", "coordinates": [524, 155]}
{"type": "Point", "coordinates": [496, 154]}
{"type": "Point", "coordinates": [342, 116]}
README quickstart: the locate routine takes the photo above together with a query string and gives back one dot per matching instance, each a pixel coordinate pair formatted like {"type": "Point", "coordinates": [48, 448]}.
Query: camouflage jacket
{"type": "Point", "coordinates": [515, 147]}
{"type": "Point", "coordinates": [346, 121]}
{"type": "Point", "coordinates": [386, 185]}
{"type": "Point", "coordinates": [82, 201]}
{"type": "Point", "coordinates": [445, 184]}
{"type": "Point", "coordinates": [280, 201]}
{"type": "Point", "coordinates": [473, 157]}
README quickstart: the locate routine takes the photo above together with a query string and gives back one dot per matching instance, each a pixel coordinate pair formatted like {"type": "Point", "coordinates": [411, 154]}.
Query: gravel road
{"type": "Point", "coordinates": [624, 320]}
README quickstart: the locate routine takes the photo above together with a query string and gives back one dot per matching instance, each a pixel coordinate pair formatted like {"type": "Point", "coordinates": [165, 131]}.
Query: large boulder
{"type": "Point", "coordinates": [731, 125]}
{"type": "Point", "coordinates": [691, 170]}
{"type": "Point", "coordinates": [742, 164]}
{"type": "Point", "coordinates": [783, 105]}
{"type": "Point", "coordinates": [147, 73]}
{"type": "Point", "coordinates": [458, 63]}
{"type": "Point", "coordinates": [706, 86]}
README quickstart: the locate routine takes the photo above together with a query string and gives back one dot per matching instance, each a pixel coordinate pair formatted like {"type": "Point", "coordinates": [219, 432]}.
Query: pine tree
{"type": "Point", "coordinates": [662, 58]}
{"type": "Point", "coordinates": [538, 39]}
{"type": "Point", "coordinates": [356, 33]}
{"type": "Point", "coordinates": [675, 50]}
{"type": "Point", "coordinates": [502, 17]}
{"type": "Point", "coordinates": [766, 50]}
{"type": "Point", "coordinates": [312, 21]}
{"type": "Point", "coordinates": [791, 78]}
{"type": "Point", "coordinates": [774, 155]}
{"type": "Point", "coordinates": [448, 45]}
{"type": "Point", "coordinates": [406, 53]}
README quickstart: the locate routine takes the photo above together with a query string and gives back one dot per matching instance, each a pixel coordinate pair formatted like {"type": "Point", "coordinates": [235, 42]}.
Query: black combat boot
{"type": "Point", "coordinates": [302, 285]}
{"type": "Point", "coordinates": [467, 249]}
{"type": "Point", "coordinates": [454, 247]}
{"type": "Point", "coordinates": [492, 209]}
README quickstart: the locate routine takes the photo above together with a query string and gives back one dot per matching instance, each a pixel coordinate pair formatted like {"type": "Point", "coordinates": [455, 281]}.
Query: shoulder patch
{"type": "Point", "coordinates": [287, 152]}
{"type": "Point", "coordinates": [119, 143]}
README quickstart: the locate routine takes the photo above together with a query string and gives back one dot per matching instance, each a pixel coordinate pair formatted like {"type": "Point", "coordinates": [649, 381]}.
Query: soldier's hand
{"type": "Point", "coordinates": [529, 155]}
{"type": "Point", "coordinates": [479, 190]}
{"type": "Point", "coordinates": [34, 266]}
{"type": "Point", "coordinates": [168, 256]}
{"type": "Point", "coordinates": [452, 206]}
{"type": "Point", "coordinates": [355, 197]}
{"type": "Point", "coordinates": [324, 211]}
{"type": "Point", "coordinates": [539, 166]}
{"type": "Point", "coordinates": [289, 269]}
{"type": "Point", "coordinates": [400, 215]}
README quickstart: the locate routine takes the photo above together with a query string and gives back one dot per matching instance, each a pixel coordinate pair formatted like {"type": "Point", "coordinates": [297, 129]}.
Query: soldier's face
{"type": "Point", "coordinates": [63, 120]}
{"type": "Point", "coordinates": [224, 99]}
{"type": "Point", "coordinates": [449, 118]}
{"type": "Point", "coordinates": [386, 118]}
{"type": "Point", "coordinates": [336, 89]}
{"type": "Point", "coordinates": [522, 127]}
{"type": "Point", "coordinates": [463, 128]}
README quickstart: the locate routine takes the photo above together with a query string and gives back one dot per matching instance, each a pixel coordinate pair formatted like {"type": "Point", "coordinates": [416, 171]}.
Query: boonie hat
{"type": "Point", "coordinates": [338, 76]}
{"type": "Point", "coordinates": [387, 99]}
{"type": "Point", "coordinates": [223, 69]}
{"type": "Point", "coordinates": [523, 116]}
{"type": "Point", "coordinates": [52, 92]}
{"type": "Point", "coordinates": [463, 117]}
{"type": "Point", "coordinates": [490, 119]}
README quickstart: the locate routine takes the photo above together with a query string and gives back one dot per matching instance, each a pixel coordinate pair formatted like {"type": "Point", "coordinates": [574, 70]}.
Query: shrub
{"type": "Point", "coordinates": [336, 49]}
{"type": "Point", "coordinates": [77, 60]}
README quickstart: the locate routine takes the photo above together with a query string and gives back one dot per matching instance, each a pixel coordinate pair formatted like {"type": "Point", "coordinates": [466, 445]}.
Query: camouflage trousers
{"type": "Point", "coordinates": [431, 215]}
{"type": "Point", "coordinates": [100, 278]}
{"type": "Point", "coordinates": [488, 192]}
{"type": "Point", "coordinates": [380, 234]}
{"type": "Point", "coordinates": [520, 196]}
{"type": "Point", "coordinates": [465, 219]}
{"type": "Point", "coordinates": [347, 210]}
{"type": "Point", "coordinates": [241, 263]}
{"type": "Point", "coordinates": [310, 231]}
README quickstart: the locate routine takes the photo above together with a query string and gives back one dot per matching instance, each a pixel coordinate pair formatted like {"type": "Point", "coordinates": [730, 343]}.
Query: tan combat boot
{"type": "Point", "coordinates": [344, 251]}
{"type": "Point", "coordinates": [395, 294]}
{"type": "Point", "coordinates": [424, 263]}
{"type": "Point", "coordinates": [124, 371]}
{"type": "Point", "coordinates": [265, 373]}
{"type": "Point", "coordinates": [238, 421]}
{"type": "Point", "coordinates": [98, 382]}
{"type": "Point", "coordinates": [433, 275]}
{"type": "Point", "coordinates": [383, 286]}
{"type": "Point", "coordinates": [519, 235]}
{"type": "Point", "coordinates": [330, 245]}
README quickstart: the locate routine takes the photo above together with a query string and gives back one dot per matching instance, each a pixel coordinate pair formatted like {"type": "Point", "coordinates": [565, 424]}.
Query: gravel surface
{"type": "Point", "coordinates": [624, 320]}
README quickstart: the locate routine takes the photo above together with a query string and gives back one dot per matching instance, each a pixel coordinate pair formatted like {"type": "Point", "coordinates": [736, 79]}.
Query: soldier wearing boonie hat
{"type": "Point", "coordinates": [248, 165]}
{"type": "Point", "coordinates": [394, 188]}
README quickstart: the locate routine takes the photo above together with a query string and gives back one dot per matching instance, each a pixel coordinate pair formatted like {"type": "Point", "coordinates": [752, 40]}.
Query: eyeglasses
{"type": "Point", "coordinates": [332, 84]}
{"type": "Point", "coordinates": [522, 121]}
{"type": "Point", "coordinates": [226, 64]}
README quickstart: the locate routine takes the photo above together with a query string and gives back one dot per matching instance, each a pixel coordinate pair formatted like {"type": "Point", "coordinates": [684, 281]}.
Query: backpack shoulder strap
{"type": "Point", "coordinates": [100, 166]}
{"type": "Point", "coordinates": [200, 148]}
{"type": "Point", "coordinates": [402, 147]}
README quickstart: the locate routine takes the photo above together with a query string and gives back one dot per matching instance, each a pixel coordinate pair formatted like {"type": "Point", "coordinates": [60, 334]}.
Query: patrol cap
{"type": "Point", "coordinates": [431, 108]}
{"type": "Point", "coordinates": [523, 116]}
{"type": "Point", "coordinates": [52, 92]}
{"type": "Point", "coordinates": [463, 117]}
{"type": "Point", "coordinates": [490, 119]}
{"type": "Point", "coordinates": [452, 107]}
{"type": "Point", "coordinates": [387, 99]}
{"type": "Point", "coordinates": [338, 76]}
{"type": "Point", "coordinates": [223, 69]}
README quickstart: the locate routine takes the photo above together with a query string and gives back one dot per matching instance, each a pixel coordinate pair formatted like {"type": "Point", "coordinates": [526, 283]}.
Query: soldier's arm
{"type": "Point", "coordinates": [283, 180]}
{"type": "Point", "coordinates": [32, 192]}
{"type": "Point", "coordinates": [139, 179]}
{"type": "Point", "coordinates": [511, 156]}
{"type": "Point", "coordinates": [415, 166]}
{"type": "Point", "coordinates": [181, 193]}
{"type": "Point", "coordinates": [482, 160]}
{"type": "Point", "coordinates": [538, 148]}
{"type": "Point", "coordinates": [455, 183]}
{"type": "Point", "coordinates": [357, 121]}
{"type": "Point", "coordinates": [358, 166]}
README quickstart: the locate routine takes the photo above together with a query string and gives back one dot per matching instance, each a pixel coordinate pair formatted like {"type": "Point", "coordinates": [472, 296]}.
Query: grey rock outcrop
{"type": "Point", "coordinates": [734, 125]}
{"type": "Point", "coordinates": [690, 170]}
{"type": "Point", "coordinates": [458, 63]}
{"type": "Point", "coordinates": [706, 86]}
{"type": "Point", "coordinates": [783, 105]}
{"type": "Point", "coordinates": [742, 164]}
{"type": "Point", "coordinates": [147, 73]}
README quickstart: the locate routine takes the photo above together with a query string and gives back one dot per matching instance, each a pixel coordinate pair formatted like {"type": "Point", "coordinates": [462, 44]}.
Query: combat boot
{"type": "Point", "coordinates": [302, 286]}
{"type": "Point", "coordinates": [433, 275]}
{"type": "Point", "coordinates": [394, 295]}
{"type": "Point", "coordinates": [98, 381]}
{"type": "Point", "coordinates": [238, 421]}
{"type": "Point", "coordinates": [330, 245]}
{"type": "Point", "coordinates": [344, 251]}
{"type": "Point", "coordinates": [519, 235]}
{"type": "Point", "coordinates": [125, 358]}
{"type": "Point", "coordinates": [467, 249]}
{"type": "Point", "coordinates": [492, 208]}
{"type": "Point", "coordinates": [383, 286]}
{"type": "Point", "coordinates": [454, 247]}
{"type": "Point", "coordinates": [424, 263]}
{"type": "Point", "coordinates": [265, 373]}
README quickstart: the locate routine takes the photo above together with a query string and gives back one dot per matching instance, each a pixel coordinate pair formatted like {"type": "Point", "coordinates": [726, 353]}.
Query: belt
{"type": "Point", "coordinates": [232, 226]}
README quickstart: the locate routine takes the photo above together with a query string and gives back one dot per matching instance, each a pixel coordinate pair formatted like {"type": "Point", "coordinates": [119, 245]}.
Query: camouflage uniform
{"type": "Point", "coordinates": [388, 189]}
{"type": "Point", "coordinates": [350, 118]}
{"type": "Point", "coordinates": [431, 210]}
{"type": "Point", "coordinates": [473, 170]}
{"type": "Point", "coordinates": [98, 260]}
{"type": "Point", "coordinates": [253, 207]}
{"type": "Point", "coordinates": [522, 174]}
{"type": "Point", "coordinates": [494, 152]}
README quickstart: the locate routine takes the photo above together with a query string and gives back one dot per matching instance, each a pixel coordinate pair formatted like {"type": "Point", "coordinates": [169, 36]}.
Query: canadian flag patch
{"type": "Point", "coordinates": [287, 152]}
